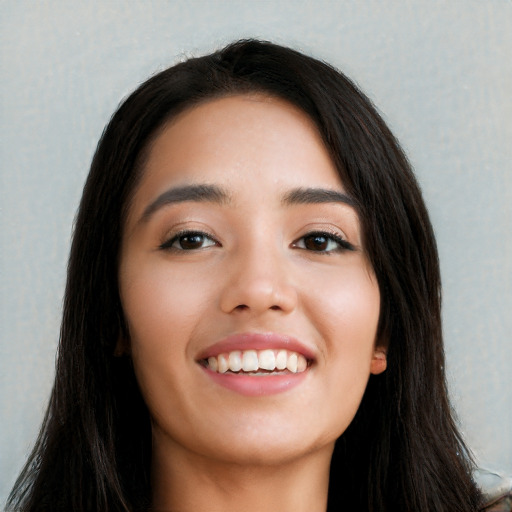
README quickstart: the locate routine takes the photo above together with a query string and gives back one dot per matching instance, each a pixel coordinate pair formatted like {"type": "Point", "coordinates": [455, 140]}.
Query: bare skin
{"type": "Point", "coordinates": [196, 483]}
{"type": "Point", "coordinates": [240, 238]}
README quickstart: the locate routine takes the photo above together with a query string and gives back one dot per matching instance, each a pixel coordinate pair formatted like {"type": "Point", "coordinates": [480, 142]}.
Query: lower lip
{"type": "Point", "coordinates": [257, 385]}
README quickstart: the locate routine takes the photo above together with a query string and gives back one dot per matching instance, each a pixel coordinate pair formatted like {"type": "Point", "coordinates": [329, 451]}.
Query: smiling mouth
{"type": "Point", "coordinates": [257, 362]}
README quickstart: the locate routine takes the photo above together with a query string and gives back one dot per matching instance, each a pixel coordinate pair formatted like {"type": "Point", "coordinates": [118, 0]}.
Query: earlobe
{"type": "Point", "coordinates": [379, 361]}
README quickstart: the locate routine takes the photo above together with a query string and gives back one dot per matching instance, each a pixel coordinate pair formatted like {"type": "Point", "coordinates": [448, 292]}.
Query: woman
{"type": "Point", "coordinates": [252, 311]}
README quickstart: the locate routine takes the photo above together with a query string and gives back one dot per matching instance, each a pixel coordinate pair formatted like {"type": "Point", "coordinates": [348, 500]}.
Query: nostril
{"type": "Point", "coordinates": [257, 295]}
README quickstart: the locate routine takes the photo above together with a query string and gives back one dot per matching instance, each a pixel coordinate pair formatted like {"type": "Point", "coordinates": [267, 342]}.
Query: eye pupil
{"type": "Point", "coordinates": [316, 242]}
{"type": "Point", "coordinates": [191, 241]}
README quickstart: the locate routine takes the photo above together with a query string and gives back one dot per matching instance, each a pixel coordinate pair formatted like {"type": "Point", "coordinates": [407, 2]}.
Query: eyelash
{"type": "Point", "coordinates": [168, 245]}
{"type": "Point", "coordinates": [342, 244]}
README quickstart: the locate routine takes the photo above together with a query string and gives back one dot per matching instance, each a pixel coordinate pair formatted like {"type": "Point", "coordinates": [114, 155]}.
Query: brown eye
{"type": "Point", "coordinates": [192, 241]}
{"type": "Point", "coordinates": [316, 242]}
{"type": "Point", "coordinates": [189, 241]}
{"type": "Point", "coordinates": [323, 243]}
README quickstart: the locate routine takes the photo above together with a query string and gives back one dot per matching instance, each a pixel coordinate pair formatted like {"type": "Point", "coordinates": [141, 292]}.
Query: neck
{"type": "Point", "coordinates": [190, 482]}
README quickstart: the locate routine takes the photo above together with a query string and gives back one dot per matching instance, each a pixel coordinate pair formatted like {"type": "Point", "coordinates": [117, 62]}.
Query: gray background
{"type": "Point", "coordinates": [441, 73]}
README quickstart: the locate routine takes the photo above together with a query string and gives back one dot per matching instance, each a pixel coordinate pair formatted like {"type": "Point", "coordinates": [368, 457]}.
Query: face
{"type": "Point", "coordinates": [251, 307]}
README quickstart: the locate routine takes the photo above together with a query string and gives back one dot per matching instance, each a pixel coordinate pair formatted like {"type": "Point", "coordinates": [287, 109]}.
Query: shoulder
{"type": "Point", "coordinates": [503, 504]}
{"type": "Point", "coordinates": [496, 491]}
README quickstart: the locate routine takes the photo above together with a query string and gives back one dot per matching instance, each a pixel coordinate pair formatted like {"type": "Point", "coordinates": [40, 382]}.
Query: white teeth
{"type": "Point", "coordinates": [281, 358]}
{"type": "Point", "coordinates": [291, 364]}
{"type": "Point", "coordinates": [212, 363]}
{"type": "Point", "coordinates": [267, 360]}
{"type": "Point", "coordinates": [235, 361]}
{"type": "Point", "coordinates": [254, 360]}
{"type": "Point", "coordinates": [302, 364]}
{"type": "Point", "coordinates": [223, 363]}
{"type": "Point", "coordinates": [249, 361]}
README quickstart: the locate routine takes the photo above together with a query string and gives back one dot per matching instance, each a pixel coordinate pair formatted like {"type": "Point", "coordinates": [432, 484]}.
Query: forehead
{"type": "Point", "coordinates": [240, 142]}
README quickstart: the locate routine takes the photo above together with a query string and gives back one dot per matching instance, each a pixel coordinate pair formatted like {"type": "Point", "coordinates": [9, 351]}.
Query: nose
{"type": "Point", "coordinates": [259, 281]}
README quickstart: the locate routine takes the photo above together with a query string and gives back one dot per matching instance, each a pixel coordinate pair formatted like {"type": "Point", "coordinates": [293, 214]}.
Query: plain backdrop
{"type": "Point", "coordinates": [439, 71]}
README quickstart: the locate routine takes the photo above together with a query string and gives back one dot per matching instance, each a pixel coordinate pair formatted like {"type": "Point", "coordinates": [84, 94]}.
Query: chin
{"type": "Point", "coordinates": [256, 443]}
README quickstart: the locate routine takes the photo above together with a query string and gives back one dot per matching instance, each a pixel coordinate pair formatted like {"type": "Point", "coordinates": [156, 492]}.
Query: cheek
{"type": "Point", "coordinates": [161, 308]}
{"type": "Point", "coordinates": [155, 297]}
{"type": "Point", "coordinates": [346, 308]}
{"type": "Point", "coordinates": [346, 305]}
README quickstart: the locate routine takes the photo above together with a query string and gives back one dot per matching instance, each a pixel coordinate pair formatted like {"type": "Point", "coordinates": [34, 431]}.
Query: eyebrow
{"type": "Point", "coordinates": [197, 193]}
{"type": "Point", "coordinates": [215, 194]}
{"type": "Point", "coordinates": [317, 196]}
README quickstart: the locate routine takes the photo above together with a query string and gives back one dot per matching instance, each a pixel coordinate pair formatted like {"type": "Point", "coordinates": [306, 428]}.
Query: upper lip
{"type": "Point", "coordinates": [256, 341]}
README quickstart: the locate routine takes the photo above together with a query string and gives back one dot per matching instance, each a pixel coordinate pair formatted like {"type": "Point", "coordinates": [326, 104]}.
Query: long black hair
{"type": "Point", "coordinates": [401, 452]}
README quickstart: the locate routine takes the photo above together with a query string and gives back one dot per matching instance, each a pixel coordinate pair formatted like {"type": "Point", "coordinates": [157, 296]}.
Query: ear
{"type": "Point", "coordinates": [379, 360]}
